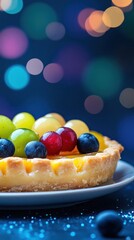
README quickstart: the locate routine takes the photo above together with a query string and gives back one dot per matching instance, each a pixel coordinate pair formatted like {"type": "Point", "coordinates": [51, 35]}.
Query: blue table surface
{"type": "Point", "coordinates": [72, 222]}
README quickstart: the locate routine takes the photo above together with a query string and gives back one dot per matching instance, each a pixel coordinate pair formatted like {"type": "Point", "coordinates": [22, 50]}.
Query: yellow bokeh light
{"type": "Point", "coordinates": [122, 3]}
{"type": "Point", "coordinates": [113, 17]}
{"type": "Point", "coordinates": [96, 23]}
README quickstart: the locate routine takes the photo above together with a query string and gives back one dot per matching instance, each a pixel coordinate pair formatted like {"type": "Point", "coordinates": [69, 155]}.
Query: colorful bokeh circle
{"type": "Point", "coordinates": [13, 43]}
{"type": "Point", "coordinates": [113, 17]}
{"type": "Point", "coordinates": [127, 97]}
{"type": "Point", "coordinates": [53, 73]}
{"type": "Point", "coordinates": [55, 31]}
{"type": "Point", "coordinates": [103, 77]}
{"type": "Point", "coordinates": [16, 77]}
{"type": "Point", "coordinates": [35, 19]}
{"type": "Point", "coordinates": [93, 104]}
{"type": "Point", "coordinates": [11, 6]}
{"type": "Point", "coordinates": [34, 66]}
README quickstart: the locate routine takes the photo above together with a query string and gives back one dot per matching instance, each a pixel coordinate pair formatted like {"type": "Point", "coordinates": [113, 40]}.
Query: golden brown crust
{"type": "Point", "coordinates": [68, 172]}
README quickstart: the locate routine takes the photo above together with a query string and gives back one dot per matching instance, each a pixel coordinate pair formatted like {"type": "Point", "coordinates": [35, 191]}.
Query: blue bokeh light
{"type": "Point", "coordinates": [16, 77]}
{"type": "Point", "coordinates": [14, 7]}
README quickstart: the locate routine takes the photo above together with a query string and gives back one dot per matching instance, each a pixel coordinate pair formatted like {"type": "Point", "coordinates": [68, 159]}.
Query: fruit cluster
{"type": "Point", "coordinates": [49, 135]}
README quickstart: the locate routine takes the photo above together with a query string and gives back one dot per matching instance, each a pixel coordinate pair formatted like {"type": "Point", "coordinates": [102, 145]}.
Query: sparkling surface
{"type": "Point", "coordinates": [70, 222]}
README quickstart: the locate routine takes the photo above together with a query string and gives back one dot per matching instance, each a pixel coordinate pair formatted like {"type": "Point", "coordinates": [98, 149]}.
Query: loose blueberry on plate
{"type": "Point", "coordinates": [7, 148]}
{"type": "Point", "coordinates": [87, 143]}
{"type": "Point", "coordinates": [109, 223]}
{"type": "Point", "coordinates": [35, 149]}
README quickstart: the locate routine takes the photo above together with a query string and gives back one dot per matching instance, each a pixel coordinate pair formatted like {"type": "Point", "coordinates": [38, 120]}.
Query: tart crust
{"type": "Point", "coordinates": [61, 172]}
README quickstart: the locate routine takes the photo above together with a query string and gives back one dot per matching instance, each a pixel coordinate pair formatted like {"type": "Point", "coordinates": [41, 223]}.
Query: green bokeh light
{"type": "Point", "coordinates": [36, 17]}
{"type": "Point", "coordinates": [103, 77]}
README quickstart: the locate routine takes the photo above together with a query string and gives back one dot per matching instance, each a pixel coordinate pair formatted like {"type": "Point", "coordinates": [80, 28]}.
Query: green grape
{"type": "Point", "coordinates": [20, 138]}
{"type": "Point", "coordinates": [24, 120]}
{"type": "Point", "coordinates": [6, 127]}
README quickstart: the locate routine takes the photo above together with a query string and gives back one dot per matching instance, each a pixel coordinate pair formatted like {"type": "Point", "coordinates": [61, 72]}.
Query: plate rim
{"type": "Point", "coordinates": [70, 191]}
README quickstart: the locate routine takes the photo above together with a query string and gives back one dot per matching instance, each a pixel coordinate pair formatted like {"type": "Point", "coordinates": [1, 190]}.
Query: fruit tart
{"type": "Point", "coordinates": [50, 154]}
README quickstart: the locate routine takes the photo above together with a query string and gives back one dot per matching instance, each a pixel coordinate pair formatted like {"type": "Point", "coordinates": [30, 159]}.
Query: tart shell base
{"type": "Point", "coordinates": [68, 172]}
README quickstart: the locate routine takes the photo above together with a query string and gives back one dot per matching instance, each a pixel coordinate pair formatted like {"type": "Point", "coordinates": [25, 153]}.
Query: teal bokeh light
{"type": "Point", "coordinates": [36, 17]}
{"type": "Point", "coordinates": [103, 77]}
{"type": "Point", "coordinates": [16, 77]}
{"type": "Point", "coordinates": [14, 7]}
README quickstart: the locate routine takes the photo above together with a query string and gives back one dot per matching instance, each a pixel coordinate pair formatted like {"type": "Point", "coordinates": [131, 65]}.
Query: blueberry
{"type": "Point", "coordinates": [87, 143]}
{"type": "Point", "coordinates": [35, 149]}
{"type": "Point", "coordinates": [109, 223]}
{"type": "Point", "coordinates": [7, 148]}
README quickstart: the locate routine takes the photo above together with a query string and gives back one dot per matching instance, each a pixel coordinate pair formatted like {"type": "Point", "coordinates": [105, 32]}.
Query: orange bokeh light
{"type": "Point", "coordinates": [113, 17]}
{"type": "Point", "coordinates": [122, 3]}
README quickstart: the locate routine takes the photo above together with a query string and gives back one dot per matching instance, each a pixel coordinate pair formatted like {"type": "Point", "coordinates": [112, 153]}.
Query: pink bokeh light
{"type": "Point", "coordinates": [13, 43]}
{"type": "Point", "coordinates": [53, 73]}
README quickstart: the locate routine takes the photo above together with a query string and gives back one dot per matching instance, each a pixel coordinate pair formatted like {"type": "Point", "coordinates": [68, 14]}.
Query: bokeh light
{"type": "Point", "coordinates": [127, 98]}
{"type": "Point", "coordinates": [93, 104]}
{"type": "Point", "coordinates": [96, 23]}
{"type": "Point", "coordinates": [12, 6]}
{"type": "Point", "coordinates": [73, 59]}
{"type": "Point", "coordinates": [16, 77]}
{"type": "Point", "coordinates": [35, 19]}
{"type": "Point", "coordinates": [55, 31]}
{"type": "Point", "coordinates": [113, 17]}
{"type": "Point", "coordinates": [83, 15]}
{"type": "Point", "coordinates": [122, 3]}
{"type": "Point", "coordinates": [126, 132]}
{"type": "Point", "coordinates": [53, 73]}
{"type": "Point", "coordinates": [13, 43]}
{"type": "Point", "coordinates": [34, 66]}
{"type": "Point", "coordinates": [5, 4]}
{"type": "Point", "coordinates": [103, 77]}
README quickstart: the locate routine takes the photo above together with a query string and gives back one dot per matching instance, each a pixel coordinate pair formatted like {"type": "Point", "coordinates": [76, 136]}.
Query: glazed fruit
{"type": "Point", "coordinates": [45, 124]}
{"type": "Point", "coordinates": [53, 142]}
{"type": "Point", "coordinates": [58, 117]}
{"type": "Point", "coordinates": [109, 223]}
{"type": "Point", "coordinates": [24, 120]}
{"type": "Point", "coordinates": [35, 149]}
{"type": "Point", "coordinates": [100, 138]}
{"type": "Point", "coordinates": [20, 138]}
{"type": "Point", "coordinates": [6, 127]}
{"type": "Point", "coordinates": [78, 126]}
{"type": "Point", "coordinates": [87, 143]}
{"type": "Point", "coordinates": [69, 138]}
{"type": "Point", "coordinates": [7, 148]}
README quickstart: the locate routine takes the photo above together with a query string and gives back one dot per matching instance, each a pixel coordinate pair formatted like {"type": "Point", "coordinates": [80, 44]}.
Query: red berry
{"type": "Point", "coordinates": [69, 138]}
{"type": "Point", "coordinates": [52, 141]}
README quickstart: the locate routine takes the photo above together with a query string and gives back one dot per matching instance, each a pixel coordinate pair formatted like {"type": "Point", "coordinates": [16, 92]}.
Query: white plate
{"type": "Point", "coordinates": [124, 174]}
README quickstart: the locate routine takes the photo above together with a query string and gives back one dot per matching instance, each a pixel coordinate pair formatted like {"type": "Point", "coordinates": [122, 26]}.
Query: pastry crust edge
{"type": "Point", "coordinates": [95, 170]}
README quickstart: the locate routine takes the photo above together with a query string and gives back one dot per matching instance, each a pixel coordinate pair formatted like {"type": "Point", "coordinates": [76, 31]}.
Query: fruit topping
{"type": "Point", "coordinates": [58, 117]}
{"type": "Point", "coordinates": [20, 138]}
{"type": "Point", "coordinates": [109, 223]}
{"type": "Point", "coordinates": [69, 138]}
{"type": "Point", "coordinates": [78, 126]}
{"type": "Point", "coordinates": [7, 148]}
{"type": "Point", "coordinates": [35, 149]}
{"type": "Point", "coordinates": [24, 120]}
{"type": "Point", "coordinates": [100, 138]}
{"type": "Point", "coordinates": [87, 143]}
{"type": "Point", "coordinates": [6, 127]}
{"type": "Point", "coordinates": [52, 141]}
{"type": "Point", "coordinates": [45, 124]}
